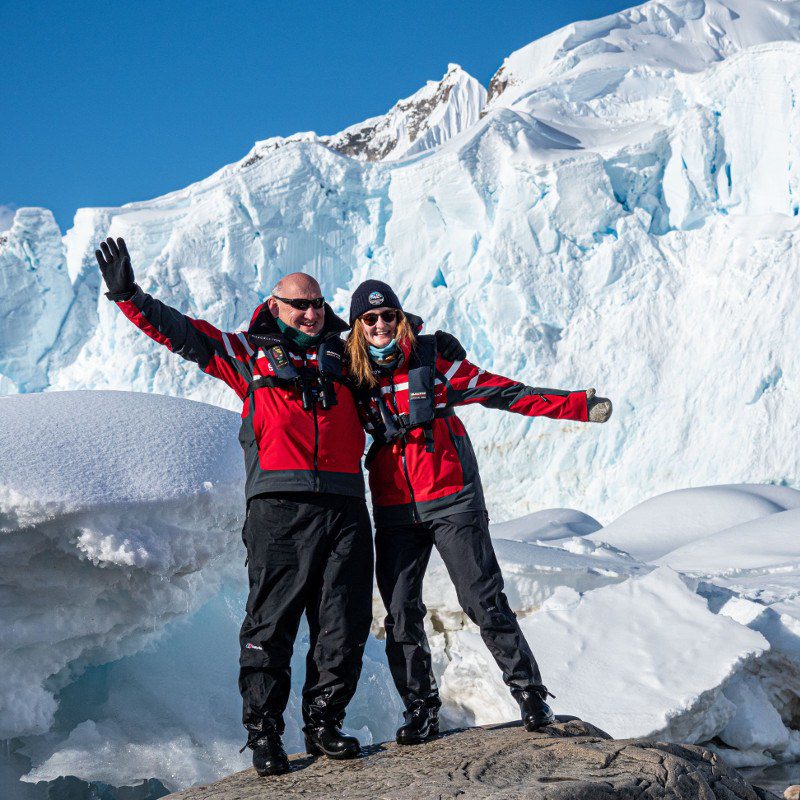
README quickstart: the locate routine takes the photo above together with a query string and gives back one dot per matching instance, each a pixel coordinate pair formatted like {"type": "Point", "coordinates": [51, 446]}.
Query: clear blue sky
{"type": "Point", "coordinates": [108, 102]}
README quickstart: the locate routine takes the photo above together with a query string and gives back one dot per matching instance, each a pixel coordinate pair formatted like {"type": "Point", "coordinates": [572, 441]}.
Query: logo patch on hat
{"type": "Point", "coordinates": [375, 299]}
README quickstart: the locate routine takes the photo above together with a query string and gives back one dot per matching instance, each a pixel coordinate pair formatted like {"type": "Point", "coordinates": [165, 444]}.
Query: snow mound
{"type": "Point", "coordinates": [641, 658]}
{"type": "Point", "coordinates": [118, 512]}
{"type": "Point", "coordinates": [768, 544]}
{"type": "Point", "coordinates": [544, 526]}
{"type": "Point", "coordinates": [669, 522]}
{"type": "Point", "coordinates": [672, 665]}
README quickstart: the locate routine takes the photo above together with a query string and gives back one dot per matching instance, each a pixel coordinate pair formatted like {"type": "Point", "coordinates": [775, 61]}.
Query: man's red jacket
{"type": "Point", "coordinates": [286, 448]}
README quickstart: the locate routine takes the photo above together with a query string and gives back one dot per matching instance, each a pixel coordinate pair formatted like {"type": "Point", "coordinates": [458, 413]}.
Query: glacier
{"type": "Point", "coordinates": [626, 189]}
{"type": "Point", "coordinates": [618, 208]}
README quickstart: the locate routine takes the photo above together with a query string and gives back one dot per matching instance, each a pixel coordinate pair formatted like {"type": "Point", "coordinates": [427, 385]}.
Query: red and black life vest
{"type": "Point", "coordinates": [386, 425]}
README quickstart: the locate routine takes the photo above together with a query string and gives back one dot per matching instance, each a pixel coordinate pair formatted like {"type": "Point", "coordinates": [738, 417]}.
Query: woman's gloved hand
{"type": "Point", "coordinates": [599, 407]}
{"type": "Point", "coordinates": [115, 265]}
{"type": "Point", "coordinates": [448, 347]}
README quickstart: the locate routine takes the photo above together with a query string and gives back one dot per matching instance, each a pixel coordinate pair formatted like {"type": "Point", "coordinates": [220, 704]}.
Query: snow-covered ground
{"type": "Point", "coordinates": [122, 590]}
{"type": "Point", "coordinates": [116, 512]}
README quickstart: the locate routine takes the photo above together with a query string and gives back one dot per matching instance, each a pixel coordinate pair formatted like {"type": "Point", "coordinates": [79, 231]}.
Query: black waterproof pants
{"type": "Point", "coordinates": [307, 553]}
{"type": "Point", "coordinates": [463, 541]}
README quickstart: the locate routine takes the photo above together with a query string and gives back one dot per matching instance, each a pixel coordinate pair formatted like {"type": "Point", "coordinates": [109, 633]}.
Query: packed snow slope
{"type": "Point", "coordinates": [622, 212]}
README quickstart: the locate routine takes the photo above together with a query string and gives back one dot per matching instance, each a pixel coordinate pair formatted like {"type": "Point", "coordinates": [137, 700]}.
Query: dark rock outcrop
{"type": "Point", "coordinates": [570, 760]}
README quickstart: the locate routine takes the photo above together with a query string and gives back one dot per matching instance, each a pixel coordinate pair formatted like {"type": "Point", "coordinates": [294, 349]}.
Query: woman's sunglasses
{"type": "Point", "coordinates": [372, 317]}
{"type": "Point", "coordinates": [301, 304]}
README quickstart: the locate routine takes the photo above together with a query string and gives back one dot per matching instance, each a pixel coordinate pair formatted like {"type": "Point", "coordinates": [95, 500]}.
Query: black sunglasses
{"type": "Point", "coordinates": [371, 317]}
{"type": "Point", "coordinates": [300, 303]}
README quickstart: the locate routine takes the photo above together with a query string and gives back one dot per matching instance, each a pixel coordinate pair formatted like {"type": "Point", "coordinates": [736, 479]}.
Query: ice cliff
{"type": "Point", "coordinates": [621, 212]}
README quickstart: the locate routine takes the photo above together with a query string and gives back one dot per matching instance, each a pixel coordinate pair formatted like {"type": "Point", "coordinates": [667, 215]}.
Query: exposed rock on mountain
{"type": "Point", "coordinates": [423, 121]}
{"type": "Point", "coordinates": [418, 123]}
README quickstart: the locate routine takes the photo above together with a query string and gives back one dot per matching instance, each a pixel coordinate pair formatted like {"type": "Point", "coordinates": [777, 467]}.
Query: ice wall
{"type": "Point", "coordinates": [631, 192]}
{"type": "Point", "coordinates": [35, 294]}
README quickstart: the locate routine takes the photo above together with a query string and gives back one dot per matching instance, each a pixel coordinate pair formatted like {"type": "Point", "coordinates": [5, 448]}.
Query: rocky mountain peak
{"type": "Point", "coordinates": [435, 113]}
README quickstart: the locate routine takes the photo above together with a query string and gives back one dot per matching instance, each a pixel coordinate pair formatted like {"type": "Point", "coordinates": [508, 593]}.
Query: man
{"type": "Point", "coordinates": [307, 532]}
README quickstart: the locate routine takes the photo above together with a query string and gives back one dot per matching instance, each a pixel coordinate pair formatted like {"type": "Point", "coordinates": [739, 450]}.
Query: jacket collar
{"type": "Point", "coordinates": [264, 329]}
{"type": "Point", "coordinates": [415, 322]}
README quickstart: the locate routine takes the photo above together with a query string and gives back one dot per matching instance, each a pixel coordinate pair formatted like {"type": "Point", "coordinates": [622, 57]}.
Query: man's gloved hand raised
{"type": "Point", "coordinates": [448, 347]}
{"type": "Point", "coordinates": [115, 264]}
{"type": "Point", "coordinates": [599, 407]}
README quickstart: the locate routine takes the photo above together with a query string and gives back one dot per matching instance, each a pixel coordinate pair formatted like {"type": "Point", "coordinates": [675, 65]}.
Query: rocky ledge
{"type": "Point", "coordinates": [570, 760]}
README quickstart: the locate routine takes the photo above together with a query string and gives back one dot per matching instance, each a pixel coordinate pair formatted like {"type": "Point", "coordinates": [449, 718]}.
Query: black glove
{"type": "Point", "coordinates": [448, 347]}
{"type": "Point", "coordinates": [115, 264]}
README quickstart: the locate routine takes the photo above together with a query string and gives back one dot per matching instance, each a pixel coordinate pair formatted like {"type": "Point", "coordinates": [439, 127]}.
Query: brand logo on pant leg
{"type": "Point", "coordinates": [251, 646]}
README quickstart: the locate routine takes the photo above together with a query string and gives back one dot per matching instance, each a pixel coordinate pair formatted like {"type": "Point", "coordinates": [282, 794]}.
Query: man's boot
{"type": "Point", "coordinates": [330, 741]}
{"type": "Point", "coordinates": [535, 712]}
{"type": "Point", "coordinates": [421, 723]}
{"type": "Point", "coordinates": [269, 757]}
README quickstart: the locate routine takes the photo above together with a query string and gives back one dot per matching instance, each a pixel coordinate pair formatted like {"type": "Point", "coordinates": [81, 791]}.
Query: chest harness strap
{"type": "Point", "coordinates": [315, 385]}
{"type": "Point", "coordinates": [390, 427]}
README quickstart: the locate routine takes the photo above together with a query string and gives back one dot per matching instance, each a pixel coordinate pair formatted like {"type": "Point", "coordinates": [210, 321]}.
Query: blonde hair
{"type": "Point", "coordinates": [359, 364]}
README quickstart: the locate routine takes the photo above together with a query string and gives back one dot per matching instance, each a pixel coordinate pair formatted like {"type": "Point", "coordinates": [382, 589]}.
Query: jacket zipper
{"type": "Point", "coordinates": [414, 513]}
{"type": "Point", "coordinates": [316, 445]}
{"type": "Point", "coordinates": [316, 433]}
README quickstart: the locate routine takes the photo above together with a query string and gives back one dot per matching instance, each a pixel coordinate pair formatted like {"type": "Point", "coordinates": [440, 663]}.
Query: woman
{"type": "Point", "coordinates": [426, 491]}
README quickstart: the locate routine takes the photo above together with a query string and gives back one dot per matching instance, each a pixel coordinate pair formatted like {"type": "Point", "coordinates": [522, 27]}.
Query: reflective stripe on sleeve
{"type": "Point", "coordinates": [243, 340]}
{"type": "Point", "coordinates": [453, 369]}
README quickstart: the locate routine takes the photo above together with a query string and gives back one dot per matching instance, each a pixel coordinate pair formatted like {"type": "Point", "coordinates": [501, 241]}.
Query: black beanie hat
{"type": "Point", "coordinates": [372, 294]}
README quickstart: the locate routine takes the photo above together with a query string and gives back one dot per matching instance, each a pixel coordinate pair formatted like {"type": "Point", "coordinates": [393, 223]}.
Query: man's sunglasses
{"type": "Point", "coordinates": [301, 304]}
{"type": "Point", "coordinates": [372, 317]}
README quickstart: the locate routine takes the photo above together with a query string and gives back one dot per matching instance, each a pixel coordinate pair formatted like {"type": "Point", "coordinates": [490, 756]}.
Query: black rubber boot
{"type": "Point", "coordinates": [330, 741]}
{"type": "Point", "coordinates": [535, 712]}
{"type": "Point", "coordinates": [269, 757]}
{"type": "Point", "coordinates": [421, 723]}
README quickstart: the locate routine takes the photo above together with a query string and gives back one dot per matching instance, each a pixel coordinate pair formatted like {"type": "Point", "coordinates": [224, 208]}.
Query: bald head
{"type": "Point", "coordinates": [297, 282]}
{"type": "Point", "coordinates": [297, 286]}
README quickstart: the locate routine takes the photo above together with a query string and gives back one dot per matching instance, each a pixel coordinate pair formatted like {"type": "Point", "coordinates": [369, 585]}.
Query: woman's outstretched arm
{"type": "Point", "coordinates": [466, 383]}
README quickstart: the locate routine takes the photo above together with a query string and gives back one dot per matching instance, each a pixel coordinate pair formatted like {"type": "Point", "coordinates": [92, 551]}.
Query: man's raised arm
{"type": "Point", "coordinates": [221, 355]}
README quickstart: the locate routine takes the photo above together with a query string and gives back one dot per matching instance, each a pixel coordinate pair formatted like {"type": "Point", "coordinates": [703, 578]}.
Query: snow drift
{"type": "Point", "coordinates": [116, 513]}
{"type": "Point", "coordinates": [655, 654]}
